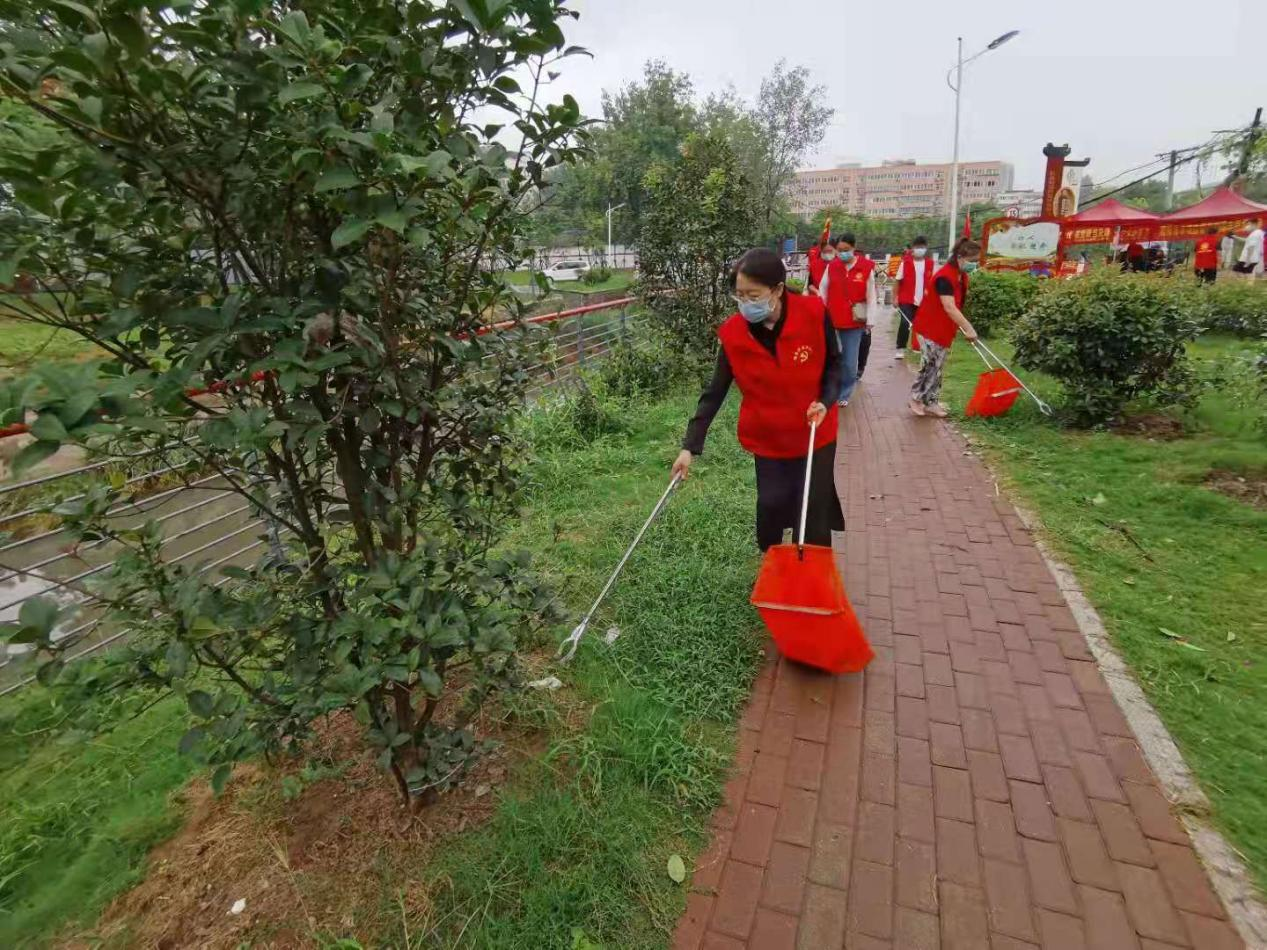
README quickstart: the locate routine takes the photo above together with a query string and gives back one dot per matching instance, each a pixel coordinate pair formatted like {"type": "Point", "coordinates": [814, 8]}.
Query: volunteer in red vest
{"type": "Point", "coordinates": [914, 275]}
{"type": "Point", "coordinates": [848, 290]}
{"type": "Point", "coordinates": [820, 255]}
{"type": "Point", "coordinates": [781, 351]}
{"type": "Point", "coordinates": [938, 319]}
{"type": "Point", "coordinates": [1205, 256]}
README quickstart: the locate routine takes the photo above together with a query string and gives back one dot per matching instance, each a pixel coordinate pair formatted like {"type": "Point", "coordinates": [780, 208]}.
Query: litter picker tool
{"type": "Point", "coordinates": [998, 387]}
{"type": "Point", "coordinates": [567, 649]}
{"type": "Point", "coordinates": [802, 600]}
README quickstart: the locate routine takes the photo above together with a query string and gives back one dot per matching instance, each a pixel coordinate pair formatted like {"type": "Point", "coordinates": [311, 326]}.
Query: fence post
{"type": "Point", "coordinates": [624, 325]}
{"type": "Point", "coordinates": [580, 340]}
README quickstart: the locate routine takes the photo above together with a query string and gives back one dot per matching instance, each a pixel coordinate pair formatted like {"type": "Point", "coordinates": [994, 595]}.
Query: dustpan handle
{"type": "Point", "coordinates": [980, 351]}
{"type": "Point", "coordinates": [809, 462]}
{"type": "Point", "coordinates": [1042, 406]}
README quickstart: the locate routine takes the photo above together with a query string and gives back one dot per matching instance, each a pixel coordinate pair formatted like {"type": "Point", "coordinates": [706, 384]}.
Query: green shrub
{"type": "Point", "coordinates": [1109, 339]}
{"type": "Point", "coordinates": [997, 298]}
{"type": "Point", "coordinates": [1236, 306]}
{"type": "Point", "coordinates": [647, 364]}
{"type": "Point", "coordinates": [596, 275]}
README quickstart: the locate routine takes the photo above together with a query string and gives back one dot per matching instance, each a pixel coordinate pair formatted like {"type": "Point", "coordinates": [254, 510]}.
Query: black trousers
{"type": "Point", "coordinates": [903, 327]}
{"type": "Point", "coordinates": [1207, 275]}
{"type": "Point", "coordinates": [864, 350]}
{"type": "Point", "coordinates": [780, 483]}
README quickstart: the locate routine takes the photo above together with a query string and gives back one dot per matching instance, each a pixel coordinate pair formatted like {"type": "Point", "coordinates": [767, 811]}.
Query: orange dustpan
{"type": "Point", "coordinates": [997, 388]}
{"type": "Point", "coordinates": [802, 600]}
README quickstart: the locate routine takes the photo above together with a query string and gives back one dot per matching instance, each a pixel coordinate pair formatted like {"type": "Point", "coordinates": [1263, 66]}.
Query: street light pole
{"type": "Point", "coordinates": [957, 86]}
{"type": "Point", "coordinates": [954, 161]}
{"type": "Point", "coordinates": [610, 209]}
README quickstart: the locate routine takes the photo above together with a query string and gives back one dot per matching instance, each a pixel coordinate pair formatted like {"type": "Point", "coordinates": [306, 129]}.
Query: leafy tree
{"type": "Point", "coordinates": [789, 123]}
{"type": "Point", "coordinates": [700, 218]}
{"type": "Point", "coordinates": [645, 123]}
{"type": "Point", "coordinates": [304, 200]}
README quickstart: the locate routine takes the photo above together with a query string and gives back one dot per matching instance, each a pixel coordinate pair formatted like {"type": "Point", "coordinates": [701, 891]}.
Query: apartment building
{"type": "Point", "coordinates": [896, 189]}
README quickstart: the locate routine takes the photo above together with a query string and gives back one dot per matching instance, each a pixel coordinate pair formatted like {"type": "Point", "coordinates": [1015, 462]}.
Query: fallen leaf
{"type": "Point", "coordinates": [1169, 633]}
{"type": "Point", "coordinates": [1129, 581]}
{"type": "Point", "coordinates": [612, 634]}
{"type": "Point", "coordinates": [676, 868]}
{"type": "Point", "coordinates": [1191, 646]}
{"type": "Point", "coordinates": [1231, 637]}
{"type": "Point", "coordinates": [1099, 499]}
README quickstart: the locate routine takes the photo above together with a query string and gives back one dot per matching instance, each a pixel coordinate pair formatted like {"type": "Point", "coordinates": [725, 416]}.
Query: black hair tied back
{"type": "Point", "coordinates": [762, 265]}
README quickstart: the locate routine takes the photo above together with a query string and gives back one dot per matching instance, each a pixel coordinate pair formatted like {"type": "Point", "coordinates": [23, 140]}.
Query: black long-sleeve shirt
{"type": "Point", "coordinates": [710, 401]}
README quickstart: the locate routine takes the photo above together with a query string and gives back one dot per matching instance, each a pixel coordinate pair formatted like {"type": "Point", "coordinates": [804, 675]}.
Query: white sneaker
{"type": "Point", "coordinates": [899, 356]}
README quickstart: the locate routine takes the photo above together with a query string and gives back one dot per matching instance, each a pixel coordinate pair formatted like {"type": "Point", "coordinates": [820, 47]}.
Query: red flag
{"type": "Point", "coordinates": [967, 224]}
{"type": "Point", "coordinates": [826, 232]}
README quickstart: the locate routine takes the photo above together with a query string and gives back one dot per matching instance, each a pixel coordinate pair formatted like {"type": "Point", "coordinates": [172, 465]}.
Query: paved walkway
{"type": "Point", "coordinates": [977, 788]}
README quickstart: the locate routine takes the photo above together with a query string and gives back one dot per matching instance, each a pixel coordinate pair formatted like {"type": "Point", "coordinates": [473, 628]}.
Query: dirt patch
{"type": "Point", "coordinates": [315, 848]}
{"type": "Point", "coordinates": [1249, 489]}
{"type": "Point", "coordinates": [1151, 425]}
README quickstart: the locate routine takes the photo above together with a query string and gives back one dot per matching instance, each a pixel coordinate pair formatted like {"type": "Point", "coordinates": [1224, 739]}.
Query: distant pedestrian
{"type": "Point", "coordinates": [1227, 250]}
{"type": "Point", "coordinates": [939, 318]}
{"type": "Point", "coordinates": [820, 255]}
{"type": "Point", "coordinates": [1205, 256]}
{"type": "Point", "coordinates": [848, 290]}
{"type": "Point", "coordinates": [1251, 260]}
{"type": "Point", "coordinates": [914, 274]}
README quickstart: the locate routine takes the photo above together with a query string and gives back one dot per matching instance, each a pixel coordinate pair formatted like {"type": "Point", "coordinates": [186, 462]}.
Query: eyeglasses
{"type": "Point", "coordinates": [751, 296]}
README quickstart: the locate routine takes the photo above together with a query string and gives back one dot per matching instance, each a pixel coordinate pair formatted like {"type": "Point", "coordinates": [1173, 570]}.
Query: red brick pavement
{"type": "Point", "coordinates": [978, 786]}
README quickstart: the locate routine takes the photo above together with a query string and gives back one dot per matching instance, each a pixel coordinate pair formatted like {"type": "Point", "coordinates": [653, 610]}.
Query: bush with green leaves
{"type": "Point", "coordinates": [700, 218]}
{"type": "Point", "coordinates": [997, 298]}
{"type": "Point", "coordinates": [596, 275]}
{"type": "Point", "coordinates": [1109, 339]}
{"type": "Point", "coordinates": [307, 201]}
{"type": "Point", "coordinates": [1234, 305]}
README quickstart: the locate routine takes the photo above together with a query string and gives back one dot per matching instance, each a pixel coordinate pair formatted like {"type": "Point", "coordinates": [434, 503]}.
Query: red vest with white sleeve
{"type": "Point", "coordinates": [906, 286]}
{"type": "Point", "coordinates": [846, 286]}
{"type": "Point", "coordinates": [932, 322]}
{"type": "Point", "coordinates": [777, 389]}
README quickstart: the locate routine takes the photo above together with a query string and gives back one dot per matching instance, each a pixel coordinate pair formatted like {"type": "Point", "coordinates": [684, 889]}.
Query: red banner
{"type": "Point", "coordinates": [1146, 231]}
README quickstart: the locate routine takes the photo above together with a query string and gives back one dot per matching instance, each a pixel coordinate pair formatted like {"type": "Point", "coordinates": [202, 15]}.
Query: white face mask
{"type": "Point", "coordinates": [829, 255]}
{"type": "Point", "coordinates": [918, 252]}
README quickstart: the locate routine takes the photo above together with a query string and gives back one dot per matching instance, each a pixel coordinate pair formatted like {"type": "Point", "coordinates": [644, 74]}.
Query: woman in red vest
{"type": "Point", "coordinates": [938, 319]}
{"type": "Point", "coordinates": [914, 277]}
{"type": "Point", "coordinates": [782, 353]}
{"type": "Point", "coordinates": [848, 290]}
{"type": "Point", "coordinates": [1205, 257]}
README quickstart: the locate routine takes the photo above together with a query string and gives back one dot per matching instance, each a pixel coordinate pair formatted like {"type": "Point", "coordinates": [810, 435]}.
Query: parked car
{"type": "Point", "coordinates": [566, 270]}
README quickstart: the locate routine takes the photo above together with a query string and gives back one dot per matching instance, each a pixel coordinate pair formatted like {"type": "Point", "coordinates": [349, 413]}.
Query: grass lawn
{"type": "Point", "coordinates": [22, 343]}
{"type": "Point", "coordinates": [619, 280]}
{"type": "Point", "coordinates": [1157, 551]}
{"type": "Point", "coordinates": [636, 743]}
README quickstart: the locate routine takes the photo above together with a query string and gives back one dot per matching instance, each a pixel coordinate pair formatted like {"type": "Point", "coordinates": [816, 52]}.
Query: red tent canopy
{"type": "Point", "coordinates": [1112, 212]}
{"type": "Point", "coordinates": [1223, 205]}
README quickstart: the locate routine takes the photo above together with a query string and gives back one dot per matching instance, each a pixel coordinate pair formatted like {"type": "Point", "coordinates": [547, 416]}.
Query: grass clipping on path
{"type": "Point", "coordinates": [1175, 567]}
{"type": "Point", "coordinates": [560, 837]}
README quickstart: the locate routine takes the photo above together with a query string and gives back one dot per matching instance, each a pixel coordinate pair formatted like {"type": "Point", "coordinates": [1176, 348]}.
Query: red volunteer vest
{"type": "Point", "coordinates": [846, 287]}
{"type": "Point", "coordinates": [1206, 256]}
{"type": "Point", "coordinates": [776, 390]}
{"type": "Point", "coordinates": [906, 286]}
{"type": "Point", "coordinates": [931, 320]}
{"type": "Point", "coordinates": [817, 266]}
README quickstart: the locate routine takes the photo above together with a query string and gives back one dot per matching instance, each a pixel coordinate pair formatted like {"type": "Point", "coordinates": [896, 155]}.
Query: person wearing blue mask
{"type": "Point", "coordinates": [781, 350]}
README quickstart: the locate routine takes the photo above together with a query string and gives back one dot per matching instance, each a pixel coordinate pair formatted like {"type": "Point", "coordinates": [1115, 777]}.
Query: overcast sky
{"type": "Point", "coordinates": [1117, 80]}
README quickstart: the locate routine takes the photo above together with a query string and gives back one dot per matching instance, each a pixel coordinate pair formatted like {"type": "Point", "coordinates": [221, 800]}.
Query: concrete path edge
{"type": "Point", "coordinates": [1229, 876]}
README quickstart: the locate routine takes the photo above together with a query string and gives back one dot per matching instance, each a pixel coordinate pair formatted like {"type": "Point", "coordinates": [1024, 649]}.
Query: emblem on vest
{"type": "Point", "coordinates": [802, 354]}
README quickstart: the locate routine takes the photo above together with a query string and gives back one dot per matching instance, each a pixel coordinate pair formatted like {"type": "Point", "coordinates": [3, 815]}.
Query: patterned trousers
{"type": "Point", "coordinates": [928, 382]}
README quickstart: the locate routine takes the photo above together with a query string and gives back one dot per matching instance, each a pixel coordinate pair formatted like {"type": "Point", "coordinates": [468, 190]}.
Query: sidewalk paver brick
{"type": "Point", "coordinates": [977, 788]}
